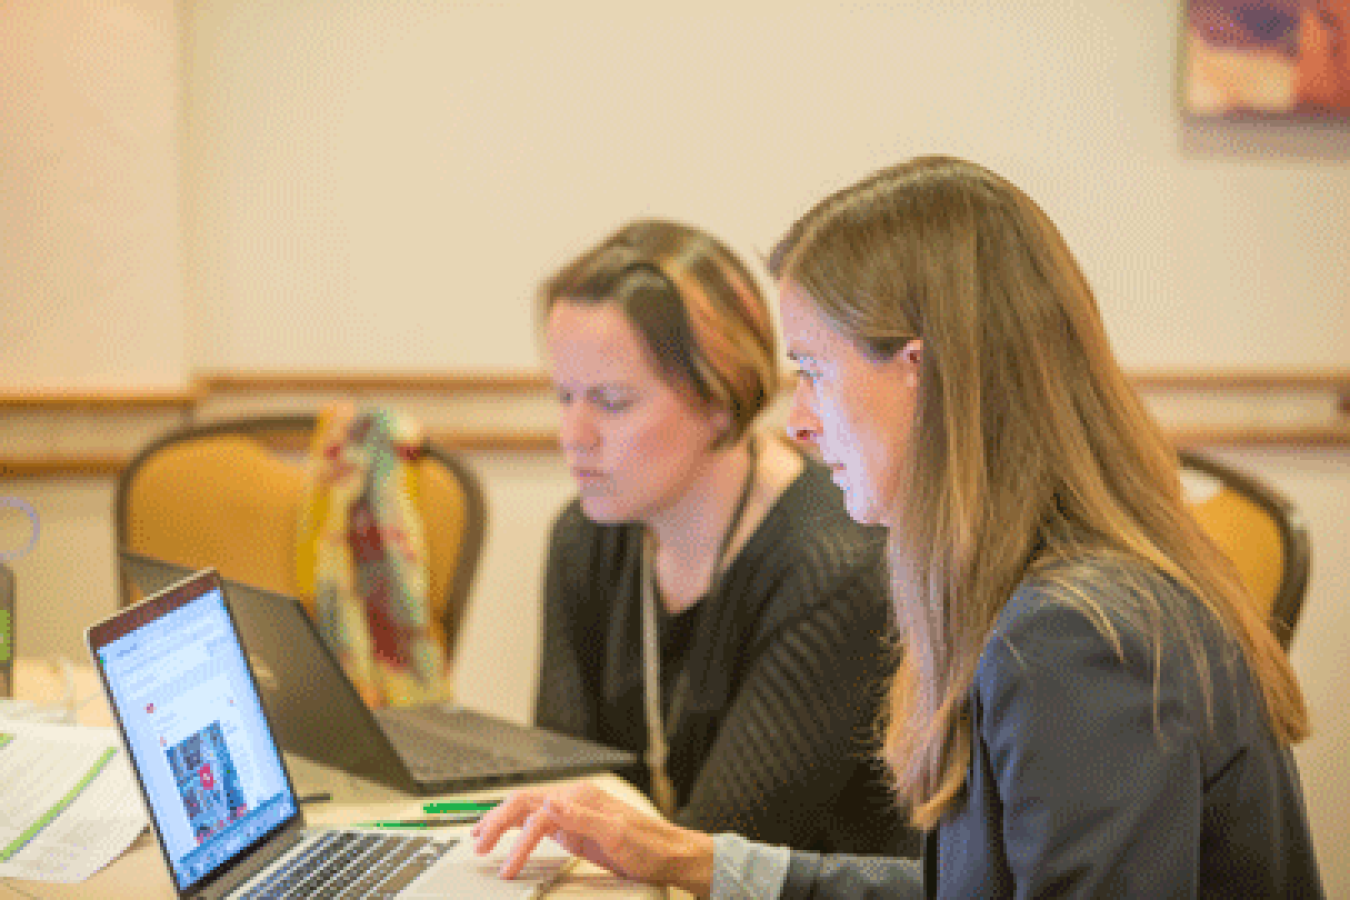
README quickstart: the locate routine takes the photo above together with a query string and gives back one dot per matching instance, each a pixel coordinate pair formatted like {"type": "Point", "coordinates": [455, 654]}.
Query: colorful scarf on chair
{"type": "Point", "coordinates": [361, 556]}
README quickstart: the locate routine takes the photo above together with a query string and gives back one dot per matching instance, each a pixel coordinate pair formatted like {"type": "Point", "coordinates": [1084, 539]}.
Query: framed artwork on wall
{"type": "Point", "coordinates": [1266, 58]}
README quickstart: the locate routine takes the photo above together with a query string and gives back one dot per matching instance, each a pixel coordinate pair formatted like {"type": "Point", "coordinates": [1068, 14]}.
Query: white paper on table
{"type": "Point", "coordinates": [41, 769]}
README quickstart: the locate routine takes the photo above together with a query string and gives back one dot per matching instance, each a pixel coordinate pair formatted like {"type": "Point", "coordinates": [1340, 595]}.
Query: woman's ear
{"type": "Point", "coordinates": [913, 352]}
{"type": "Point", "coordinates": [909, 361]}
{"type": "Point", "coordinates": [720, 419]}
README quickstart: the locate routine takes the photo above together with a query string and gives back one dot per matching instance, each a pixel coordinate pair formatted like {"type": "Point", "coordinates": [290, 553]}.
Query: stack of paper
{"type": "Point", "coordinates": [70, 803]}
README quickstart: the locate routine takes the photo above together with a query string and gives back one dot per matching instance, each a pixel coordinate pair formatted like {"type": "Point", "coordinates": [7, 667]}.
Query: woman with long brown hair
{"type": "Point", "coordinates": [1088, 704]}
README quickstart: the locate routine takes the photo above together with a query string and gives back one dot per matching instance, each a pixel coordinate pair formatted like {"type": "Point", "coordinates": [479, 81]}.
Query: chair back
{"type": "Point", "coordinates": [1259, 529]}
{"type": "Point", "coordinates": [229, 495]}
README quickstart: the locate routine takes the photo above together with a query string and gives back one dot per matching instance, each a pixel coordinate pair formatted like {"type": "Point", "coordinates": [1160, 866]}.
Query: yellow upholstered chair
{"type": "Point", "coordinates": [1259, 529]}
{"type": "Point", "coordinates": [229, 494]}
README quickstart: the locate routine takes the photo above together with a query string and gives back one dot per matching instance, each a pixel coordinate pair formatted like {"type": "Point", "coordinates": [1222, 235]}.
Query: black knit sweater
{"type": "Point", "coordinates": [786, 661]}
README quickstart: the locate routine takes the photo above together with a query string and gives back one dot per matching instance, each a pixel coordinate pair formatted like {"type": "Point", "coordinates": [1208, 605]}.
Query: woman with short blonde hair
{"type": "Point", "coordinates": [708, 604]}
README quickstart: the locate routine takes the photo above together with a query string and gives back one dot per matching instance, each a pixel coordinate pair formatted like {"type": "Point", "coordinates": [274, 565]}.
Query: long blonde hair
{"type": "Point", "coordinates": [1029, 446]}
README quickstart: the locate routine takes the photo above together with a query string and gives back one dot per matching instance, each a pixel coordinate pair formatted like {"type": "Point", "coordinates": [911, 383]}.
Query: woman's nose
{"type": "Point", "coordinates": [802, 423]}
{"type": "Point", "coordinates": [577, 431]}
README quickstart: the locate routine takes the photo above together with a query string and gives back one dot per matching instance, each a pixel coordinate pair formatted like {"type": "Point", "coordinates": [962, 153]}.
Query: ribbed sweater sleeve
{"type": "Point", "coordinates": [800, 723]}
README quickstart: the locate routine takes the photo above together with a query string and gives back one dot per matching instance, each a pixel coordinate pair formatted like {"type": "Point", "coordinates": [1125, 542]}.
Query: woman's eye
{"type": "Point", "coordinates": [612, 401]}
{"type": "Point", "coordinates": [808, 375]}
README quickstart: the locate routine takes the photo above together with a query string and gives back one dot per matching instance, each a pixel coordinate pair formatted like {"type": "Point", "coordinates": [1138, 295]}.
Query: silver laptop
{"type": "Point", "coordinates": [318, 714]}
{"type": "Point", "coordinates": [216, 787]}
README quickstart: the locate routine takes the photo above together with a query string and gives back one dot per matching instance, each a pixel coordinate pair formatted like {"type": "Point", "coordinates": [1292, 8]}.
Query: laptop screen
{"type": "Point", "coordinates": [199, 741]}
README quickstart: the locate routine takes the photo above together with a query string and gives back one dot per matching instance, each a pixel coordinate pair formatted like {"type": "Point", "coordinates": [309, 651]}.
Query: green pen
{"type": "Point", "coordinates": [461, 807]}
{"type": "Point", "coordinates": [462, 818]}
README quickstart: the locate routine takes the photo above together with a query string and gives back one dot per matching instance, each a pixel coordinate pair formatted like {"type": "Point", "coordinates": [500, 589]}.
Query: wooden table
{"type": "Point", "coordinates": [140, 872]}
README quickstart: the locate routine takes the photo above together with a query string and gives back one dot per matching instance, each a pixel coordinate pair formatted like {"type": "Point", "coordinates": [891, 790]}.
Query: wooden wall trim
{"type": "Point", "coordinates": [62, 467]}
{"type": "Point", "coordinates": [1267, 436]}
{"type": "Point", "coordinates": [527, 381]}
{"type": "Point", "coordinates": [1233, 380]}
{"type": "Point", "coordinates": [363, 382]}
{"type": "Point", "coordinates": [116, 404]}
{"type": "Point", "coordinates": [100, 399]}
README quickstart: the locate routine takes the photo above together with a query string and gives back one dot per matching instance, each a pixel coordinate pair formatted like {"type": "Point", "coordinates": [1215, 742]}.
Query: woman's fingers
{"type": "Point", "coordinates": [581, 831]}
{"type": "Point", "coordinates": [529, 811]}
{"type": "Point", "coordinates": [585, 820]}
{"type": "Point", "coordinates": [510, 813]}
{"type": "Point", "coordinates": [537, 826]}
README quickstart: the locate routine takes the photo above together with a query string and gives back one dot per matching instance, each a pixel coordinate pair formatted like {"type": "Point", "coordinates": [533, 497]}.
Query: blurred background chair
{"type": "Point", "coordinates": [1259, 529]}
{"type": "Point", "coordinates": [229, 494]}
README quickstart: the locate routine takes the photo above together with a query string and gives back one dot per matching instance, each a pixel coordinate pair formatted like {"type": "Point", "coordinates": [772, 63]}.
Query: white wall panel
{"type": "Point", "coordinates": [91, 264]}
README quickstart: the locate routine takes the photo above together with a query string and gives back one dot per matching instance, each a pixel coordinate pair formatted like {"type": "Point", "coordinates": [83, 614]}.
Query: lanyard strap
{"type": "Point", "coordinates": [659, 734]}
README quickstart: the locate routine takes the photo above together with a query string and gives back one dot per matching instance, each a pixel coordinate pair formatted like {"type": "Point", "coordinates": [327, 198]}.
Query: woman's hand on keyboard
{"type": "Point", "coordinates": [596, 826]}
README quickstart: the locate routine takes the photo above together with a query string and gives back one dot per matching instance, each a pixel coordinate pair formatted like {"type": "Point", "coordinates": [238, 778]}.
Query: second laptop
{"type": "Point", "coordinates": [318, 714]}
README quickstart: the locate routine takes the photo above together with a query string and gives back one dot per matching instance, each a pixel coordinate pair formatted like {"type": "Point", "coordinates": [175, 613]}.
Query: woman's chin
{"type": "Point", "coordinates": [859, 510]}
{"type": "Point", "coordinates": [603, 510]}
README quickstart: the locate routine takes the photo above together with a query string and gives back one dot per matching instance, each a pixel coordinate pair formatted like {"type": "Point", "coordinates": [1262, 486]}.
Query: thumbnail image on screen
{"type": "Point", "coordinates": [208, 781]}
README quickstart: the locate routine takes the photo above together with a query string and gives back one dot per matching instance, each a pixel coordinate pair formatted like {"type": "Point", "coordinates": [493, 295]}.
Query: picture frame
{"type": "Point", "coordinates": [1266, 59]}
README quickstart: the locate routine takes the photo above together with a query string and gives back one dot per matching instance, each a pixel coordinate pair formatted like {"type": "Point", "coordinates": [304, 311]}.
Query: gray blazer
{"type": "Point", "coordinates": [1076, 789]}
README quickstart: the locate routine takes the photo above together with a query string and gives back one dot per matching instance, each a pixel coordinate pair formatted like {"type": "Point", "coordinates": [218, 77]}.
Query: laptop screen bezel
{"type": "Point", "coordinates": [125, 622]}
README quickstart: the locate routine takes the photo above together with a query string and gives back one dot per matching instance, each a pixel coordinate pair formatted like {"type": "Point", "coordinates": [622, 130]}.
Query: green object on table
{"type": "Point", "coordinates": [480, 807]}
{"type": "Point", "coordinates": [463, 818]}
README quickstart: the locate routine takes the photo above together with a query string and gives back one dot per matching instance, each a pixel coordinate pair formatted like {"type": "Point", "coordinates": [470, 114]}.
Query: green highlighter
{"type": "Point", "coordinates": [439, 815]}
{"type": "Point", "coordinates": [479, 807]}
{"type": "Point", "coordinates": [440, 821]}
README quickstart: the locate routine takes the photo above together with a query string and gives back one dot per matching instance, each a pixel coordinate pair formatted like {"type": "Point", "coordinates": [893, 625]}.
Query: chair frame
{"type": "Point", "coordinates": [1294, 538]}
{"type": "Point", "coordinates": [263, 426]}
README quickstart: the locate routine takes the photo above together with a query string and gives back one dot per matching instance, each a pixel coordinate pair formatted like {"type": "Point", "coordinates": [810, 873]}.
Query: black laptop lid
{"type": "Point", "coordinates": [314, 710]}
{"type": "Point", "coordinates": [318, 714]}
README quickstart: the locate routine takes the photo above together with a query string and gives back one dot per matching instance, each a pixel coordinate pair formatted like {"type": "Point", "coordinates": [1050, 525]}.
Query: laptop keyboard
{"type": "Point", "coordinates": [431, 756]}
{"type": "Point", "coordinates": [349, 864]}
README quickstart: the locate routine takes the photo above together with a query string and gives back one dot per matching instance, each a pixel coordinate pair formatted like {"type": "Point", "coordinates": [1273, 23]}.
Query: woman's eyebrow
{"type": "Point", "coordinates": [610, 387]}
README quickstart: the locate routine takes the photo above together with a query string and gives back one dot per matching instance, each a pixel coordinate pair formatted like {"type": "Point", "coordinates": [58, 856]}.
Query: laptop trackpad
{"type": "Point", "coordinates": [464, 875]}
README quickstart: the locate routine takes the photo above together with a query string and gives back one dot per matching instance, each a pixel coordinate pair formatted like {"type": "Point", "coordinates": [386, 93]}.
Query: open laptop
{"type": "Point", "coordinates": [214, 782]}
{"type": "Point", "coordinates": [318, 714]}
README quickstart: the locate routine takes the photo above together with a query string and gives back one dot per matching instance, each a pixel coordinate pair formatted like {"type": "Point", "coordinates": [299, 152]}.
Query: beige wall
{"type": "Point", "coordinates": [91, 283]}
{"type": "Point", "coordinates": [366, 166]}
{"type": "Point", "coordinates": [339, 183]}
